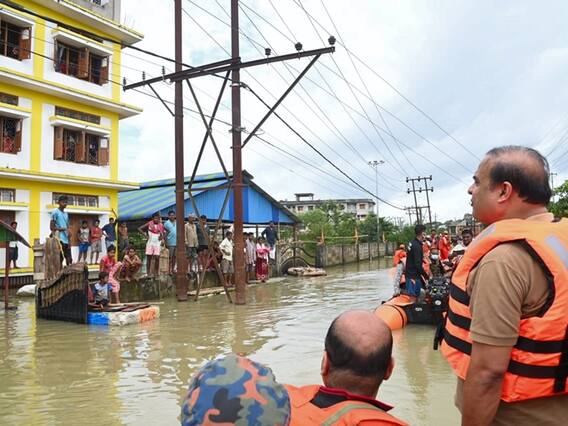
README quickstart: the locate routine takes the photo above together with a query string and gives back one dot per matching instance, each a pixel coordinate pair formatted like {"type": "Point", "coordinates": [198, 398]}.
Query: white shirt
{"type": "Point", "coordinates": [226, 248]}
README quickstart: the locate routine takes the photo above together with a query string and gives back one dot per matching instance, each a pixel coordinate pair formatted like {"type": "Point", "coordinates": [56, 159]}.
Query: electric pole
{"type": "Point", "coordinates": [375, 164]}
{"type": "Point", "coordinates": [221, 69]}
{"type": "Point", "coordinates": [182, 282]}
{"type": "Point", "coordinates": [420, 189]}
{"type": "Point", "coordinates": [238, 261]}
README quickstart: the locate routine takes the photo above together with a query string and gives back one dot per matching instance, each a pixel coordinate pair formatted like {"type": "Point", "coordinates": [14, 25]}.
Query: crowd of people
{"type": "Point", "coordinates": [161, 237]}
{"type": "Point", "coordinates": [428, 256]}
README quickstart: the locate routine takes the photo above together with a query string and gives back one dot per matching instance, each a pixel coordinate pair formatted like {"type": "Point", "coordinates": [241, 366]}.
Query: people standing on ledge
{"type": "Point", "coordinates": [154, 233]}
{"type": "Point", "coordinates": [506, 332]}
{"type": "Point", "coordinates": [96, 244]}
{"type": "Point", "coordinates": [270, 234]}
{"type": "Point", "coordinates": [227, 267]}
{"type": "Point", "coordinates": [59, 226]}
{"type": "Point", "coordinates": [109, 232]}
{"type": "Point", "coordinates": [13, 248]}
{"type": "Point", "coordinates": [171, 240]}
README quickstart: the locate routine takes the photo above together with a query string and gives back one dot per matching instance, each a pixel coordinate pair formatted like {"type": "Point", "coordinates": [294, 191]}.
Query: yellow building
{"type": "Point", "coordinates": [60, 108]}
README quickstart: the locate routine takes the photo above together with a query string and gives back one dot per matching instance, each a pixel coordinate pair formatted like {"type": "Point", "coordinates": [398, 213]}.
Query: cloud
{"type": "Point", "coordinates": [489, 73]}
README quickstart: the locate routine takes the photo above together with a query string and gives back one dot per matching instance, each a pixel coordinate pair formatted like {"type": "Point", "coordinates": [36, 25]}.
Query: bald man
{"type": "Point", "coordinates": [356, 360]}
{"type": "Point", "coordinates": [506, 336]}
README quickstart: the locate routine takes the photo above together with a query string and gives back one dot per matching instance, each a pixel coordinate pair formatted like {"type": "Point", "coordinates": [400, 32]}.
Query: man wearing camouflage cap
{"type": "Point", "coordinates": [235, 390]}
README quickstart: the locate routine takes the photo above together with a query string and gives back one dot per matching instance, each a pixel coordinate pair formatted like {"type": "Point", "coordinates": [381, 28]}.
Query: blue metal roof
{"type": "Point", "coordinates": [209, 193]}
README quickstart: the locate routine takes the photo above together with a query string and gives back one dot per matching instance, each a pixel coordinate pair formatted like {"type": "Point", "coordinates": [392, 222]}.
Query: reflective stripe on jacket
{"type": "Point", "coordinates": [539, 360]}
{"type": "Point", "coordinates": [345, 413]}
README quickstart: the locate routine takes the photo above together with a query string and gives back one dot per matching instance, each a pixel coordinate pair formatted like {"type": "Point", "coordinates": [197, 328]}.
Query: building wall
{"type": "Point", "coordinates": [34, 199]}
{"type": "Point", "coordinates": [34, 204]}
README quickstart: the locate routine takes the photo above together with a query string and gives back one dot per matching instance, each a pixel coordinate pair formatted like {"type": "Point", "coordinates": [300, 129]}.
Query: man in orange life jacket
{"type": "Point", "coordinates": [356, 360]}
{"type": "Point", "coordinates": [506, 334]}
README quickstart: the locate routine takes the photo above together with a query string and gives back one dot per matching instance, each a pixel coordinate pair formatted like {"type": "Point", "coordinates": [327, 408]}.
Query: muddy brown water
{"type": "Point", "coordinates": [58, 373]}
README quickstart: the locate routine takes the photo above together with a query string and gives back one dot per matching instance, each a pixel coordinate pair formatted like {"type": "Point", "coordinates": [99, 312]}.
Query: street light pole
{"type": "Point", "coordinates": [375, 164]}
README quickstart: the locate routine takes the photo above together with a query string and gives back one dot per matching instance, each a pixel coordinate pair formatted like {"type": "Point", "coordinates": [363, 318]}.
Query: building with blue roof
{"type": "Point", "coordinates": [209, 191]}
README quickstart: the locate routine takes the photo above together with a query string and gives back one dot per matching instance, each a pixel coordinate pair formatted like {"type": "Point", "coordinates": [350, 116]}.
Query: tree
{"type": "Point", "coordinates": [369, 227]}
{"type": "Point", "coordinates": [560, 207]}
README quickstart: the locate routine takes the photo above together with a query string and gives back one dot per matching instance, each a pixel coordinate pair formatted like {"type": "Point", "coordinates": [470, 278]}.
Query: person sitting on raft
{"type": "Point", "coordinates": [102, 290]}
{"type": "Point", "coordinates": [356, 360]}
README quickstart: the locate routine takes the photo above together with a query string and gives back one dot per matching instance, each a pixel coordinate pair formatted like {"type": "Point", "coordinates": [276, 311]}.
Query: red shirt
{"type": "Point", "coordinates": [107, 263]}
{"type": "Point", "coordinates": [444, 248]}
{"type": "Point", "coordinates": [96, 233]}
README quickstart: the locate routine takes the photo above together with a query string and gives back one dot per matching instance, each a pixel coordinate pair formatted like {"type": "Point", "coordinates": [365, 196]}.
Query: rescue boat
{"type": "Point", "coordinates": [428, 309]}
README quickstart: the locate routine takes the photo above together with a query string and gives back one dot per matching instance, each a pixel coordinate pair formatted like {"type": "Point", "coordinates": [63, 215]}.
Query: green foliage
{"type": "Point", "coordinates": [334, 222]}
{"type": "Point", "coordinates": [369, 227]}
{"type": "Point", "coordinates": [560, 206]}
{"type": "Point", "coordinates": [404, 235]}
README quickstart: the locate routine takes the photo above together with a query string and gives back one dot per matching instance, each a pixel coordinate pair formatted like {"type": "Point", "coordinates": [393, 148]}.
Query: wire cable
{"type": "Point", "coordinates": [398, 92]}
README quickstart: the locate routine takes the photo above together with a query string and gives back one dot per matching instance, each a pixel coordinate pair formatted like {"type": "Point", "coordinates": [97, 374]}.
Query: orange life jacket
{"type": "Point", "coordinates": [539, 360]}
{"type": "Point", "coordinates": [346, 413]}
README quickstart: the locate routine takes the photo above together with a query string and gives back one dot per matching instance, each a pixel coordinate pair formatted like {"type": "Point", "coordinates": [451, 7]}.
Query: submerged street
{"type": "Point", "coordinates": [55, 372]}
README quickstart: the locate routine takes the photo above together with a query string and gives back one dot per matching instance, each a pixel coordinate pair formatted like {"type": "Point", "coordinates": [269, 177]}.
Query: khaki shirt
{"type": "Point", "coordinates": [190, 235]}
{"type": "Point", "coordinates": [507, 285]}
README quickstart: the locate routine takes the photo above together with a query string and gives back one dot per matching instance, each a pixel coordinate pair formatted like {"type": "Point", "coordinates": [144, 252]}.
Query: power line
{"type": "Point", "coordinates": [362, 108]}
{"type": "Point", "coordinates": [362, 82]}
{"type": "Point", "coordinates": [397, 91]}
{"type": "Point", "coordinates": [335, 130]}
{"type": "Point", "coordinates": [330, 92]}
{"type": "Point", "coordinates": [263, 87]}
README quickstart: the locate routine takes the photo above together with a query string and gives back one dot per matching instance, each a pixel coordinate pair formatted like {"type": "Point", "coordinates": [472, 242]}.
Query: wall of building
{"type": "Point", "coordinates": [34, 199]}
{"type": "Point", "coordinates": [110, 8]}
{"type": "Point", "coordinates": [37, 200]}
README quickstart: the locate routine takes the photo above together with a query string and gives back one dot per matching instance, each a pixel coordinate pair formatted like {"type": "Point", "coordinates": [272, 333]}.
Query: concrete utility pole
{"type": "Point", "coordinates": [238, 261]}
{"type": "Point", "coordinates": [227, 66]}
{"type": "Point", "coordinates": [414, 190]}
{"type": "Point", "coordinates": [182, 282]}
{"type": "Point", "coordinates": [375, 164]}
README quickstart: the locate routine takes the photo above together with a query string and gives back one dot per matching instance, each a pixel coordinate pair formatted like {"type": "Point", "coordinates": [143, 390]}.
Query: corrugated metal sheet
{"type": "Point", "coordinates": [258, 206]}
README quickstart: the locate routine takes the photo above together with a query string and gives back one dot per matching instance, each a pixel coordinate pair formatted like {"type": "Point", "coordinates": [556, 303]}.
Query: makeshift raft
{"type": "Point", "coordinates": [66, 298]}
{"type": "Point", "coordinates": [306, 271]}
{"type": "Point", "coordinates": [124, 315]}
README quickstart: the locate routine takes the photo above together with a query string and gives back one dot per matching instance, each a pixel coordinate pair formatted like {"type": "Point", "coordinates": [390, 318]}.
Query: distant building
{"type": "Point", "coordinates": [60, 109]}
{"type": "Point", "coordinates": [305, 202]}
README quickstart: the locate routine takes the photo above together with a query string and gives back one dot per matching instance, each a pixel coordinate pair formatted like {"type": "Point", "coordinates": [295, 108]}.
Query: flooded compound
{"type": "Point", "coordinates": [61, 373]}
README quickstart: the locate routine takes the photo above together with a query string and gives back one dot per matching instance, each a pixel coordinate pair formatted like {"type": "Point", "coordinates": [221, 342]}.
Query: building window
{"type": "Point", "coordinates": [80, 147]}
{"type": "Point", "coordinates": [7, 195]}
{"type": "Point", "coordinates": [362, 206]}
{"type": "Point", "coordinates": [300, 208]}
{"type": "Point", "coordinates": [5, 98]}
{"type": "Point", "coordinates": [15, 41]}
{"type": "Point", "coordinates": [10, 135]}
{"type": "Point", "coordinates": [77, 115]}
{"type": "Point", "coordinates": [78, 200]}
{"type": "Point", "coordinates": [81, 63]}
{"type": "Point", "coordinates": [310, 207]}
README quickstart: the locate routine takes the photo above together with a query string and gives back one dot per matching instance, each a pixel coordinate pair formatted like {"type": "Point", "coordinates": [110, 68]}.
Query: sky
{"type": "Point", "coordinates": [427, 87]}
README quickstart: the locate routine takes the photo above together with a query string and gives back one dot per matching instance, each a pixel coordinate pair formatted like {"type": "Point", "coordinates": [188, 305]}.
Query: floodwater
{"type": "Point", "coordinates": [58, 373]}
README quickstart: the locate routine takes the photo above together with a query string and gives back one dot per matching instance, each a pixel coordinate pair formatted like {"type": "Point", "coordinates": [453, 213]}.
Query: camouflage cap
{"type": "Point", "coordinates": [235, 390]}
